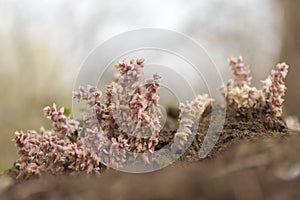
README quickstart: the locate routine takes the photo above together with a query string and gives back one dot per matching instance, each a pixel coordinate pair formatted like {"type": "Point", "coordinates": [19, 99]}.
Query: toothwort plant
{"type": "Point", "coordinates": [53, 151]}
{"type": "Point", "coordinates": [189, 117]}
{"type": "Point", "coordinates": [128, 120]}
{"type": "Point", "coordinates": [239, 93]}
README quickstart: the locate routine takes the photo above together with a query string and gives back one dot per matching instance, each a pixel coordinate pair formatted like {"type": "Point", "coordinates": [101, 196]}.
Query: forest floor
{"type": "Point", "coordinates": [256, 157]}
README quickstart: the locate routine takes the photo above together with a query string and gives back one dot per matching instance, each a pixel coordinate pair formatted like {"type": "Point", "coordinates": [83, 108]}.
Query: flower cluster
{"type": "Point", "coordinates": [129, 118]}
{"type": "Point", "coordinates": [241, 72]}
{"type": "Point", "coordinates": [53, 151]}
{"type": "Point", "coordinates": [189, 116]}
{"type": "Point", "coordinates": [239, 93]}
{"type": "Point", "coordinates": [274, 89]}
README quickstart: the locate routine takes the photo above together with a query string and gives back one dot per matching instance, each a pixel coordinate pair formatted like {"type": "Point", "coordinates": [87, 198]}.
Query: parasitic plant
{"type": "Point", "coordinates": [189, 117]}
{"type": "Point", "coordinates": [240, 94]}
{"type": "Point", "coordinates": [53, 151]}
{"type": "Point", "coordinates": [127, 119]}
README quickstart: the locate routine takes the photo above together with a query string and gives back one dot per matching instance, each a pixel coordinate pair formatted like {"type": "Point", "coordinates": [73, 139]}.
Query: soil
{"type": "Point", "coordinates": [238, 126]}
{"type": "Point", "coordinates": [256, 157]}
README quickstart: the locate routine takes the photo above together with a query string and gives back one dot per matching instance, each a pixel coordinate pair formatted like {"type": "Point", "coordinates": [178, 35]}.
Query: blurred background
{"type": "Point", "coordinates": [43, 43]}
